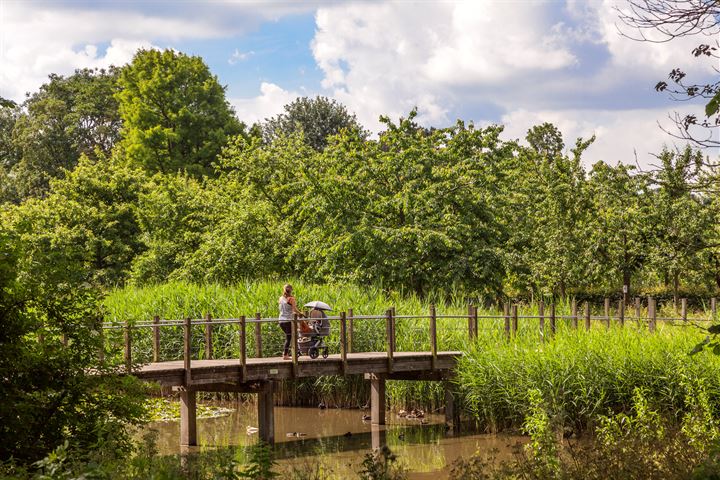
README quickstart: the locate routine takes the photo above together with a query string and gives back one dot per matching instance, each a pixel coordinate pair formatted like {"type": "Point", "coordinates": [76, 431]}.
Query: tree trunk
{"type": "Point", "coordinates": [626, 281]}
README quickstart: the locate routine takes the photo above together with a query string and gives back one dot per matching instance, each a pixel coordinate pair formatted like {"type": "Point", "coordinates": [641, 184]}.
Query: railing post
{"type": "Point", "coordinates": [343, 341]}
{"type": "Point", "coordinates": [587, 316]}
{"type": "Point", "coordinates": [514, 320]}
{"type": "Point", "coordinates": [637, 309]}
{"type": "Point", "coordinates": [156, 338]}
{"type": "Point", "coordinates": [350, 330]}
{"type": "Point", "coordinates": [433, 338]}
{"type": "Point", "coordinates": [293, 344]}
{"type": "Point", "coordinates": [393, 325]}
{"type": "Point", "coordinates": [258, 336]}
{"type": "Point", "coordinates": [187, 352]}
{"type": "Point", "coordinates": [683, 309]}
{"type": "Point", "coordinates": [574, 314]}
{"type": "Point", "coordinates": [506, 312]}
{"type": "Point", "coordinates": [128, 347]}
{"type": "Point", "coordinates": [243, 349]}
{"type": "Point", "coordinates": [621, 313]}
{"type": "Point", "coordinates": [475, 320]}
{"type": "Point", "coordinates": [652, 314]}
{"type": "Point", "coordinates": [388, 328]}
{"type": "Point", "coordinates": [552, 319]}
{"type": "Point", "coordinates": [208, 337]}
{"type": "Point", "coordinates": [541, 314]}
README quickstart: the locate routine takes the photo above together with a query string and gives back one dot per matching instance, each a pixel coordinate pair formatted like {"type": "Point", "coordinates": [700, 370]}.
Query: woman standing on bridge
{"type": "Point", "coordinates": [288, 308]}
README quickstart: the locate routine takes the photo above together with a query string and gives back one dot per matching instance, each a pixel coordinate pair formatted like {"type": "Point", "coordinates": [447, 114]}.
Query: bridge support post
{"type": "Point", "coordinates": [378, 436]}
{"type": "Point", "coordinates": [452, 414]}
{"type": "Point", "coordinates": [188, 418]}
{"type": "Point", "coordinates": [377, 400]}
{"type": "Point", "coordinates": [266, 417]}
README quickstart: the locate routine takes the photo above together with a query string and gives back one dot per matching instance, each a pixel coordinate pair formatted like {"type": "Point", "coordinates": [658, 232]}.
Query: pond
{"type": "Point", "coordinates": [339, 439]}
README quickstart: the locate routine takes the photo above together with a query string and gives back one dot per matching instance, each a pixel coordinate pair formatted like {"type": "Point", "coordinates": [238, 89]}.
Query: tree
{"type": "Point", "coordinates": [174, 112]}
{"type": "Point", "coordinates": [317, 118]}
{"type": "Point", "coordinates": [665, 20]}
{"type": "Point", "coordinates": [68, 117]}
{"type": "Point", "coordinates": [47, 396]}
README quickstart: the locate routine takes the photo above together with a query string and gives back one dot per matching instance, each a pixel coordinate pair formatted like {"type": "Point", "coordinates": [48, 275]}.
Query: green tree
{"type": "Point", "coordinates": [174, 112]}
{"type": "Point", "coordinates": [620, 227]}
{"type": "Point", "coordinates": [317, 118]}
{"type": "Point", "coordinates": [47, 396]}
{"type": "Point", "coordinates": [68, 117]}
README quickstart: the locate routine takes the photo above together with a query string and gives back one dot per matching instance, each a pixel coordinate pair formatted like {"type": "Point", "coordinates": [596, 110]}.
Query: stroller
{"type": "Point", "coordinates": [311, 342]}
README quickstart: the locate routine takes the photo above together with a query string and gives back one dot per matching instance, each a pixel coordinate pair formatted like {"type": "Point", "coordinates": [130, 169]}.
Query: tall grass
{"type": "Point", "coordinates": [585, 374]}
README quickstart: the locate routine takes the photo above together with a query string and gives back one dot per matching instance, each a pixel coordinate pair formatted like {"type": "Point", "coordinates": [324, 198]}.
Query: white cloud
{"type": "Point", "coordinates": [239, 56]}
{"type": "Point", "coordinates": [626, 136]}
{"type": "Point", "coordinates": [269, 103]}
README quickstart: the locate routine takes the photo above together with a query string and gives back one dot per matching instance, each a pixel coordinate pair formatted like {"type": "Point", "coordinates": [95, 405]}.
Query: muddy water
{"type": "Point", "coordinates": [339, 439]}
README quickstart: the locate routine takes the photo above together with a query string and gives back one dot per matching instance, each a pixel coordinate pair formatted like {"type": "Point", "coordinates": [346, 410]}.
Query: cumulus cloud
{"type": "Point", "coordinates": [269, 103]}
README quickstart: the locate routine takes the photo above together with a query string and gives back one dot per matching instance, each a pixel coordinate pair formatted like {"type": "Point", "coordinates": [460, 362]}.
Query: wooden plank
{"type": "Point", "coordinates": [187, 352]}
{"type": "Point", "coordinates": [258, 336]}
{"type": "Point", "coordinates": [156, 338]}
{"type": "Point", "coordinates": [541, 314]}
{"type": "Point", "coordinates": [243, 349]}
{"type": "Point", "coordinates": [433, 338]}
{"type": "Point", "coordinates": [208, 337]}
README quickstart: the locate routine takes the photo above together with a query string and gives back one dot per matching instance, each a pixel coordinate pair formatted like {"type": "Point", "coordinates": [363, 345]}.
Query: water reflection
{"type": "Point", "coordinates": [339, 439]}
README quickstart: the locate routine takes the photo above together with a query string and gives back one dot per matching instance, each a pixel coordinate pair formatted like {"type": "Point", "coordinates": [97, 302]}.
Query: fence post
{"type": "Point", "coordinates": [514, 320]}
{"type": "Point", "coordinates": [713, 308]}
{"type": "Point", "coordinates": [187, 352]}
{"type": "Point", "coordinates": [471, 331]}
{"type": "Point", "coordinates": [350, 330]}
{"type": "Point", "coordinates": [258, 335]}
{"type": "Point", "coordinates": [574, 314]}
{"type": "Point", "coordinates": [433, 338]}
{"type": "Point", "coordinates": [637, 309]}
{"type": "Point", "coordinates": [128, 347]}
{"type": "Point", "coordinates": [388, 329]}
{"type": "Point", "coordinates": [552, 319]}
{"type": "Point", "coordinates": [156, 338]}
{"type": "Point", "coordinates": [243, 351]}
{"type": "Point", "coordinates": [541, 314]}
{"type": "Point", "coordinates": [683, 309]}
{"type": "Point", "coordinates": [208, 337]}
{"type": "Point", "coordinates": [621, 313]}
{"type": "Point", "coordinates": [607, 312]}
{"type": "Point", "coordinates": [587, 316]}
{"type": "Point", "coordinates": [506, 311]}
{"type": "Point", "coordinates": [652, 314]}
{"type": "Point", "coordinates": [475, 320]}
{"type": "Point", "coordinates": [293, 344]}
{"type": "Point", "coordinates": [343, 341]}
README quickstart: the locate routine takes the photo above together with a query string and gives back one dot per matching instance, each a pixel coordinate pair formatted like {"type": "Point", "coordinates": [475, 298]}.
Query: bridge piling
{"type": "Point", "coordinates": [377, 400]}
{"type": "Point", "coordinates": [266, 413]}
{"type": "Point", "coordinates": [188, 418]}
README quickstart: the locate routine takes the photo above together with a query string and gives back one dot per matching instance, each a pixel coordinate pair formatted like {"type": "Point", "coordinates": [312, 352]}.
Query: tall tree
{"type": "Point", "coordinates": [175, 115]}
{"type": "Point", "coordinates": [317, 118]}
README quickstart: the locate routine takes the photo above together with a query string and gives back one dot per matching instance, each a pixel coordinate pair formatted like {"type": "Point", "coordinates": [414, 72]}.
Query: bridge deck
{"type": "Point", "coordinates": [229, 371]}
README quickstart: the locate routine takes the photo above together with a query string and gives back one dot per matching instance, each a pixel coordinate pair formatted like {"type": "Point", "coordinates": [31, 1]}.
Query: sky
{"type": "Point", "coordinates": [518, 63]}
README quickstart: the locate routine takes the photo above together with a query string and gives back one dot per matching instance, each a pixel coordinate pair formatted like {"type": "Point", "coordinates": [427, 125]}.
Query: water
{"type": "Point", "coordinates": [340, 439]}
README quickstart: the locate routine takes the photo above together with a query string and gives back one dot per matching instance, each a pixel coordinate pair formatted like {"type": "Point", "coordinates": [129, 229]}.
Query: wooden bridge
{"type": "Point", "coordinates": [259, 374]}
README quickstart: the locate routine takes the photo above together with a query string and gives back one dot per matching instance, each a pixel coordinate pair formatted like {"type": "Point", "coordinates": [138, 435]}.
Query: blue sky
{"type": "Point", "coordinates": [515, 62]}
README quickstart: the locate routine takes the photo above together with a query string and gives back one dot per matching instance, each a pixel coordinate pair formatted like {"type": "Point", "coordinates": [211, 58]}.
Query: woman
{"type": "Point", "coordinates": [288, 308]}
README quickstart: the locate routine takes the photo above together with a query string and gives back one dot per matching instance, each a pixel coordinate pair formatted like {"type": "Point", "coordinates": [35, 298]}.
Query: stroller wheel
{"type": "Point", "coordinates": [325, 353]}
{"type": "Point", "coordinates": [313, 352]}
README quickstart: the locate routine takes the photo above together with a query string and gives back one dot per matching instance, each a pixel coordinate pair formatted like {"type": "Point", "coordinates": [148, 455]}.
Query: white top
{"type": "Point", "coordinates": [286, 311]}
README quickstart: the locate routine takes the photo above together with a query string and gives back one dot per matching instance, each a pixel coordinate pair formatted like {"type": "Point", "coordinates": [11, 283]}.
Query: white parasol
{"type": "Point", "coordinates": [317, 304]}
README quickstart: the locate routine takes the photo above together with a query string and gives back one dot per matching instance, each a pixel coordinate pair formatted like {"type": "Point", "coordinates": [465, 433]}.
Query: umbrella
{"type": "Point", "coordinates": [318, 305]}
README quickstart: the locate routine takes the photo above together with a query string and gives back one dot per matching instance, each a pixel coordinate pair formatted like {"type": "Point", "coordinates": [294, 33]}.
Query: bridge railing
{"type": "Point", "coordinates": [244, 337]}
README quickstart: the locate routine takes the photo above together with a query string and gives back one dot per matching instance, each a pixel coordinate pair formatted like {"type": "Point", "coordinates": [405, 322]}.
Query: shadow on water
{"type": "Point", "coordinates": [340, 439]}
